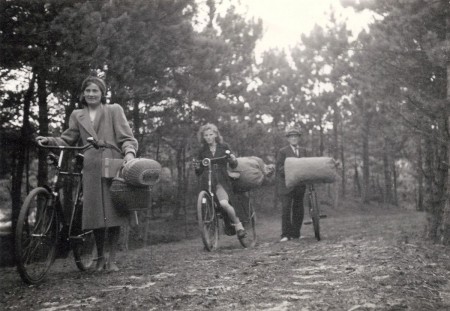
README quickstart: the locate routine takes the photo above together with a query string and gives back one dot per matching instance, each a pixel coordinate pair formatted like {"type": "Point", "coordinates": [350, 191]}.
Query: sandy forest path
{"type": "Point", "coordinates": [369, 259]}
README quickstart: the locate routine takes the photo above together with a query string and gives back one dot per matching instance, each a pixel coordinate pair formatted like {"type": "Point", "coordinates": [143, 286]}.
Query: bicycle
{"type": "Point", "coordinates": [41, 228]}
{"type": "Point", "coordinates": [314, 211]}
{"type": "Point", "coordinates": [209, 212]}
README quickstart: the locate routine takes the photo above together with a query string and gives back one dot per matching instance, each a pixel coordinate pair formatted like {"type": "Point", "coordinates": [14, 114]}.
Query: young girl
{"type": "Point", "coordinates": [213, 147]}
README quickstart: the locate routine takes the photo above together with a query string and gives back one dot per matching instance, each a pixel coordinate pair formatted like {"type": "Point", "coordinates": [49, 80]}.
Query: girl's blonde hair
{"type": "Point", "coordinates": [204, 128]}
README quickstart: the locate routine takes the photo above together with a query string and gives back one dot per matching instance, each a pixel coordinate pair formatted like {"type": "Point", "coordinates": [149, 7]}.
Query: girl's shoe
{"type": "Point", "coordinates": [241, 233]}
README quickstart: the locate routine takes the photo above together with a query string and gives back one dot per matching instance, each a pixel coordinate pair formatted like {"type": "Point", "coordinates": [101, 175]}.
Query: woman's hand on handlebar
{"type": "Point", "coordinates": [42, 140]}
{"type": "Point", "coordinates": [196, 163]}
{"type": "Point", "coordinates": [129, 156]}
{"type": "Point", "coordinates": [232, 158]}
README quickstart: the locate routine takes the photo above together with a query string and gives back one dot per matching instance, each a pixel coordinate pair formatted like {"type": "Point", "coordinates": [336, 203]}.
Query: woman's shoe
{"type": "Point", "coordinates": [101, 263]}
{"type": "Point", "coordinates": [111, 266]}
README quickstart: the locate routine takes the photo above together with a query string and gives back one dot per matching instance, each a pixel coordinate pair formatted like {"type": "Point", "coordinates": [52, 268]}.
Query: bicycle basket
{"type": "Point", "coordinates": [127, 198]}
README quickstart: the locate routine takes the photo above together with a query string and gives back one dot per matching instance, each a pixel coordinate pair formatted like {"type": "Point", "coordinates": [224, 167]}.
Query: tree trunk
{"type": "Point", "coordinates": [136, 121]}
{"type": "Point", "coordinates": [321, 140]}
{"type": "Point", "coordinates": [441, 182]}
{"type": "Point", "coordinates": [387, 193]}
{"type": "Point", "coordinates": [335, 131]}
{"type": "Point", "coordinates": [429, 148]}
{"type": "Point", "coordinates": [365, 152]}
{"type": "Point", "coordinates": [438, 175]}
{"type": "Point", "coordinates": [43, 125]}
{"type": "Point", "coordinates": [180, 183]}
{"type": "Point", "coordinates": [446, 217]}
{"type": "Point", "coordinates": [335, 151]}
{"type": "Point", "coordinates": [438, 213]}
{"type": "Point", "coordinates": [343, 164]}
{"type": "Point", "coordinates": [395, 187]}
{"type": "Point", "coordinates": [20, 154]}
{"type": "Point", "coordinates": [419, 205]}
{"type": "Point", "coordinates": [356, 182]}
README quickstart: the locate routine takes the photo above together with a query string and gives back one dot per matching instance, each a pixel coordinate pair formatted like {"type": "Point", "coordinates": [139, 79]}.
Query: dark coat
{"type": "Point", "coordinates": [111, 126]}
{"type": "Point", "coordinates": [283, 153]}
{"type": "Point", "coordinates": [219, 170]}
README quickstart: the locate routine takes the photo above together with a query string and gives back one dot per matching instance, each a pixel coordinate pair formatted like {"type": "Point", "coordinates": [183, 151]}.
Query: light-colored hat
{"type": "Point", "coordinates": [291, 131]}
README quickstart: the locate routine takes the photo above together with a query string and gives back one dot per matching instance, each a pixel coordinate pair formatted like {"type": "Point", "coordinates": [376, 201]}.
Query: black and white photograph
{"type": "Point", "coordinates": [254, 155]}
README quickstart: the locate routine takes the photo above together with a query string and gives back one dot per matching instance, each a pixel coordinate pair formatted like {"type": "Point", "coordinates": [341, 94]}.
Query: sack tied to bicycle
{"type": "Point", "coordinates": [224, 188]}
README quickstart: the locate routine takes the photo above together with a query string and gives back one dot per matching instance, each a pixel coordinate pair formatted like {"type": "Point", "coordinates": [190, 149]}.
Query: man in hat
{"type": "Point", "coordinates": [291, 199]}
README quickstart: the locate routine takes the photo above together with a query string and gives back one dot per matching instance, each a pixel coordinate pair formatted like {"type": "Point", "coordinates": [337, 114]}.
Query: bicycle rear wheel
{"type": "Point", "coordinates": [36, 236]}
{"type": "Point", "coordinates": [207, 221]}
{"type": "Point", "coordinates": [249, 222]}
{"type": "Point", "coordinates": [82, 241]}
{"type": "Point", "coordinates": [314, 213]}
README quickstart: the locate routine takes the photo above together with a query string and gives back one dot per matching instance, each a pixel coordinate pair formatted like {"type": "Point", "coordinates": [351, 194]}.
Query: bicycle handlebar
{"type": "Point", "coordinates": [90, 144]}
{"type": "Point", "coordinates": [208, 161]}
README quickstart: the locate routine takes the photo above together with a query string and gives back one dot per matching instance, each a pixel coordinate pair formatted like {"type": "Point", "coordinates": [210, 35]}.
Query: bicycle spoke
{"type": "Point", "coordinates": [36, 236]}
{"type": "Point", "coordinates": [28, 250]}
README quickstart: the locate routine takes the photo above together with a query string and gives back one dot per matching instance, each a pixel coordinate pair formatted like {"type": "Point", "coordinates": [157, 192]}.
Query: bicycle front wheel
{"type": "Point", "coordinates": [85, 250]}
{"type": "Point", "coordinates": [207, 221]}
{"type": "Point", "coordinates": [36, 236]}
{"type": "Point", "coordinates": [249, 223]}
{"type": "Point", "coordinates": [314, 213]}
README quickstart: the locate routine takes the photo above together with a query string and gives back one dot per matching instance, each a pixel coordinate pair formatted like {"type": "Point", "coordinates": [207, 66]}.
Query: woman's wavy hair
{"type": "Point", "coordinates": [204, 128]}
{"type": "Point", "coordinates": [93, 80]}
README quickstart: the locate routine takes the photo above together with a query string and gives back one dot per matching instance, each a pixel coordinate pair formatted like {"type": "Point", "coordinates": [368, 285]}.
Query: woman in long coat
{"type": "Point", "coordinates": [106, 124]}
{"type": "Point", "coordinates": [214, 147]}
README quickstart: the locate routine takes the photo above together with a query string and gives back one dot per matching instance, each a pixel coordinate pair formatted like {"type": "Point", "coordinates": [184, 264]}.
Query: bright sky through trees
{"type": "Point", "coordinates": [285, 20]}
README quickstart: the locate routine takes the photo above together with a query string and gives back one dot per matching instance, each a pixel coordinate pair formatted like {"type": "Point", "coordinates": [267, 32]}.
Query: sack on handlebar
{"type": "Point", "coordinates": [309, 170]}
{"type": "Point", "coordinates": [141, 172]}
{"type": "Point", "coordinates": [249, 174]}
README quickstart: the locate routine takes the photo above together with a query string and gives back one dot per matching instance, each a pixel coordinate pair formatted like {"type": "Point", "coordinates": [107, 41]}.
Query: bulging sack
{"type": "Point", "coordinates": [141, 172]}
{"type": "Point", "coordinates": [309, 170]}
{"type": "Point", "coordinates": [248, 174]}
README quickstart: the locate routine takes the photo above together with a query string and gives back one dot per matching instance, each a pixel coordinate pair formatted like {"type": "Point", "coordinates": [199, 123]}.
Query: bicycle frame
{"type": "Point", "coordinates": [208, 162]}
{"type": "Point", "coordinates": [314, 210]}
{"type": "Point", "coordinates": [57, 161]}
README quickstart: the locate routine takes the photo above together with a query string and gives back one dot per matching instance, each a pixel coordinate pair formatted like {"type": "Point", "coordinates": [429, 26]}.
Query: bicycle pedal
{"type": "Point", "coordinates": [76, 238]}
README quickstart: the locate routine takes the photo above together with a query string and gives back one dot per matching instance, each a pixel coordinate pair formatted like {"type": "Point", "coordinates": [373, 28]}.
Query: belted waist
{"type": "Point", "coordinates": [105, 144]}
